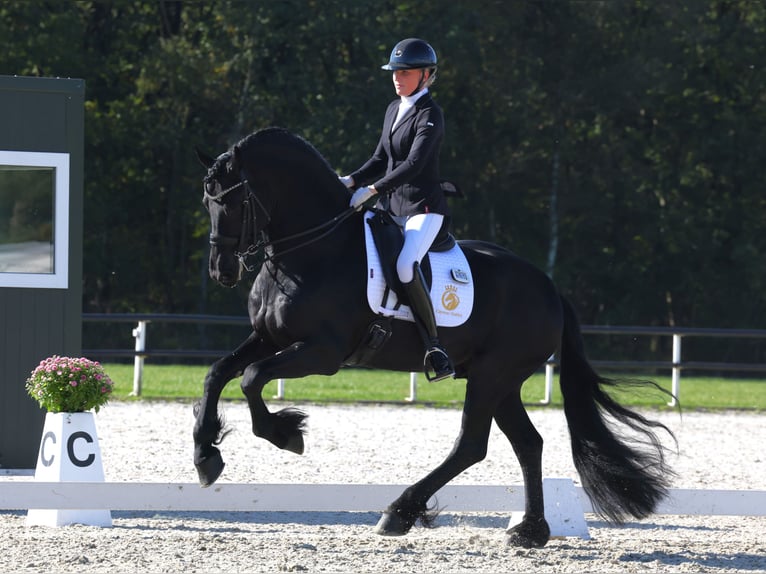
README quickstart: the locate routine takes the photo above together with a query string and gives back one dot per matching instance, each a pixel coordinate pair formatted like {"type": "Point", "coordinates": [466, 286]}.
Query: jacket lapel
{"type": "Point", "coordinates": [422, 100]}
{"type": "Point", "coordinates": [388, 121]}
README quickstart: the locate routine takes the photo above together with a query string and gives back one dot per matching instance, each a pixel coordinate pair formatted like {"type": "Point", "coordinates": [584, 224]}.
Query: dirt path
{"type": "Point", "coordinates": [151, 442]}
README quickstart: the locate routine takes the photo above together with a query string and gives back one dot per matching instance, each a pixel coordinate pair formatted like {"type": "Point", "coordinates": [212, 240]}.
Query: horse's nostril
{"type": "Point", "coordinates": [227, 279]}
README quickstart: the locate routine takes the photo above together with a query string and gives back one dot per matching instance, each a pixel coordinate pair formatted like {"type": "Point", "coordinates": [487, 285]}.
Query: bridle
{"type": "Point", "coordinates": [251, 241]}
{"type": "Point", "coordinates": [247, 236]}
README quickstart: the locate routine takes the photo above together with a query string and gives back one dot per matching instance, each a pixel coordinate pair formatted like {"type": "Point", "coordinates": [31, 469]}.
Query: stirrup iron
{"type": "Point", "coordinates": [446, 371]}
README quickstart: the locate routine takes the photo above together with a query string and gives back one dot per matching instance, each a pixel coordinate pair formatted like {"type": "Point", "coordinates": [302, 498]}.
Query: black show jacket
{"type": "Point", "coordinates": [405, 165]}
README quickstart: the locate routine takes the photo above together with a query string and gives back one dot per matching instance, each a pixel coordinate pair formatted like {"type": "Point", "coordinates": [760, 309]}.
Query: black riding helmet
{"type": "Point", "coordinates": [412, 54]}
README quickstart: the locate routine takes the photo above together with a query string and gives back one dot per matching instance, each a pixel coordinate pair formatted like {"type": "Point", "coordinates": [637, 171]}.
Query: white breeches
{"type": "Point", "coordinates": [419, 233]}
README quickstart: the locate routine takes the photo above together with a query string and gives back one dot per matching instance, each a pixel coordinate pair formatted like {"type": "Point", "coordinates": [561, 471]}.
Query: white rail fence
{"type": "Point", "coordinates": [676, 364]}
{"type": "Point", "coordinates": [141, 496]}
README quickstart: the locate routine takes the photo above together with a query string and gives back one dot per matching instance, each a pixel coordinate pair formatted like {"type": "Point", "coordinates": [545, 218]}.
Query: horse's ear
{"type": "Point", "coordinates": [203, 158]}
{"type": "Point", "coordinates": [237, 155]}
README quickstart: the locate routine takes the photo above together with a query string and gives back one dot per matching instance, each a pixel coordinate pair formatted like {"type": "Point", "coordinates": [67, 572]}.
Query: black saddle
{"type": "Point", "coordinates": [389, 239]}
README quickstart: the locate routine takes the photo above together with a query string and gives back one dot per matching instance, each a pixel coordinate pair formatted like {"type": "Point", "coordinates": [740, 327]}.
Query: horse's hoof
{"type": "Point", "coordinates": [295, 444]}
{"type": "Point", "coordinates": [209, 469]}
{"type": "Point", "coordinates": [391, 524]}
{"type": "Point", "coordinates": [528, 536]}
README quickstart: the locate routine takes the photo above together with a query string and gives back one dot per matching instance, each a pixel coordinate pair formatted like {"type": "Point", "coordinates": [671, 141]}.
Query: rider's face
{"type": "Point", "coordinates": [406, 81]}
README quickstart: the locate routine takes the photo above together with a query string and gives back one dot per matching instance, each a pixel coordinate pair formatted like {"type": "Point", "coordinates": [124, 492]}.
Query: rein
{"type": "Point", "coordinates": [250, 242]}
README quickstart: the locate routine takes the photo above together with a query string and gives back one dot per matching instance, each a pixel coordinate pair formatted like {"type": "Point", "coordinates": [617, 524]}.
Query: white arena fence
{"type": "Point", "coordinates": [676, 364]}
{"type": "Point", "coordinates": [234, 497]}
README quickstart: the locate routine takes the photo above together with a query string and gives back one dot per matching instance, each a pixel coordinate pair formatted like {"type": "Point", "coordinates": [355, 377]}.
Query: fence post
{"type": "Point", "coordinates": [280, 389]}
{"type": "Point", "coordinates": [413, 388]}
{"type": "Point", "coordinates": [548, 380]}
{"type": "Point", "coordinates": [676, 373]}
{"type": "Point", "coordinates": [138, 361]}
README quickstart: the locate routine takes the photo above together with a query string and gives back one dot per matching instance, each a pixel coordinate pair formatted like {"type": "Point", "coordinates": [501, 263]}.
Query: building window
{"type": "Point", "coordinates": [34, 219]}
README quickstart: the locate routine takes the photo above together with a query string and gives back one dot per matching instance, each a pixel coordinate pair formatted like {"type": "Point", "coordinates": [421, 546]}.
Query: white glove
{"type": "Point", "coordinates": [360, 196]}
{"type": "Point", "coordinates": [346, 180]}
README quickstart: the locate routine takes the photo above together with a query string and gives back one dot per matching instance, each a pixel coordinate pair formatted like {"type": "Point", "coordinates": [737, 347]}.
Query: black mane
{"type": "Point", "coordinates": [288, 148]}
{"type": "Point", "coordinates": [218, 168]}
{"type": "Point", "coordinates": [291, 148]}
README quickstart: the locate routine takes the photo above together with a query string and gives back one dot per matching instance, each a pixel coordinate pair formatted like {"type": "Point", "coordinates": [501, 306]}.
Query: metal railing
{"type": "Point", "coordinates": [675, 364]}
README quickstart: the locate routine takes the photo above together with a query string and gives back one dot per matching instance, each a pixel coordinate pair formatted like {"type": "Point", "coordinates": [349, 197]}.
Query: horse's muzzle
{"type": "Point", "coordinates": [226, 280]}
{"type": "Point", "coordinates": [225, 270]}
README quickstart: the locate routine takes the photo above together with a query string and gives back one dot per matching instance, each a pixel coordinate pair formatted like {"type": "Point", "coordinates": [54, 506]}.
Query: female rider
{"type": "Point", "coordinates": [404, 172]}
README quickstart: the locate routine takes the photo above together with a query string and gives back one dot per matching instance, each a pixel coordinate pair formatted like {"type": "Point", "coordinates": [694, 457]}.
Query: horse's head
{"type": "Point", "coordinates": [272, 191]}
{"type": "Point", "coordinates": [227, 201]}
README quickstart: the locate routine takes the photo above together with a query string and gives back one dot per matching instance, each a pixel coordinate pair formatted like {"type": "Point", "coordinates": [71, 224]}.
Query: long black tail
{"type": "Point", "coordinates": [622, 477]}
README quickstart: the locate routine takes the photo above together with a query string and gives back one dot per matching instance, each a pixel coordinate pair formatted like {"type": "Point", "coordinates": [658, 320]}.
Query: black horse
{"type": "Point", "coordinates": [274, 195]}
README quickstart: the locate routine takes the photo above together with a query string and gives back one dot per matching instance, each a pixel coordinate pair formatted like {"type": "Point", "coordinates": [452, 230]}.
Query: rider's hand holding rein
{"type": "Point", "coordinates": [361, 196]}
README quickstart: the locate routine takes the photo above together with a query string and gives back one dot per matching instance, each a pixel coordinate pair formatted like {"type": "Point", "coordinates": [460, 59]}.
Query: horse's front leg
{"type": "Point", "coordinates": [208, 426]}
{"type": "Point", "coordinates": [285, 428]}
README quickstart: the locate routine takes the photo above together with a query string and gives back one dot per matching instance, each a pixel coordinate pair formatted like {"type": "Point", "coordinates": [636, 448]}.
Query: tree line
{"type": "Point", "coordinates": [615, 144]}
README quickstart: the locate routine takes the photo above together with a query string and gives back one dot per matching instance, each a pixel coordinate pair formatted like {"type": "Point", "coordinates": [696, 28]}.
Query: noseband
{"type": "Point", "coordinates": [251, 241]}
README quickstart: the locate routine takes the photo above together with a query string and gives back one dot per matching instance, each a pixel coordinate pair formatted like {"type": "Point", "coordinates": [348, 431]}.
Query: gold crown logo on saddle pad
{"type": "Point", "coordinates": [451, 285]}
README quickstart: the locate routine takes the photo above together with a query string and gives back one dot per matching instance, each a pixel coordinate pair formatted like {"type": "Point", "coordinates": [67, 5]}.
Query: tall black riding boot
{"type": "Point", "coordinates": [436, 359]}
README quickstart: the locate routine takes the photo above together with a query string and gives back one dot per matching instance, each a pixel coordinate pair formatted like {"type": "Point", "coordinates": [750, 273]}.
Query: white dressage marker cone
{"type": "Point", "coordinates": [563, 510]}
{"type": "Point", "coordinates": [69, 452]}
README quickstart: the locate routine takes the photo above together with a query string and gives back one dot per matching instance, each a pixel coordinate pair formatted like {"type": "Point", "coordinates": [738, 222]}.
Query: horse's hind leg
{"type": "Point", "coordinates": [208, 425]}
{"type": "Point", "coordinates": [511, 417]}
{"type": "Point", "coordinates": [469, 448]}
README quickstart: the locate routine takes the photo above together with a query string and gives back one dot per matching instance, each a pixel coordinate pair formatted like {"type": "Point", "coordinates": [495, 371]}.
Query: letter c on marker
{"type": "Point", "coordinates": [47, 461]}
{"type": "Point", "coordinates": [70, 449]}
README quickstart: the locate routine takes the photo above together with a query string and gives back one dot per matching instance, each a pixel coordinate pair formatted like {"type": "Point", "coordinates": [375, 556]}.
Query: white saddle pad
{"type": "Point", "coordinates": [451, 285]}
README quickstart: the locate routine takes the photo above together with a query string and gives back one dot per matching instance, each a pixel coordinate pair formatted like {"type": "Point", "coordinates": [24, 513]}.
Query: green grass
{"type": "Point", "coordinates": [362, 385]}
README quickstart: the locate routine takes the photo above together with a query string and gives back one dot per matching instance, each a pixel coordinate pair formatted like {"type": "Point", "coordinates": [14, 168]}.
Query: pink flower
{"type": "Point", "coordinates": [52, 375]}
